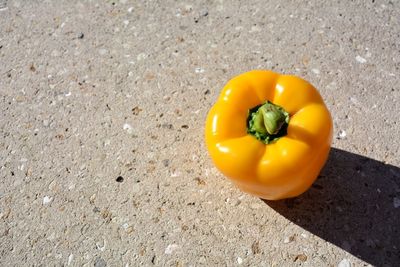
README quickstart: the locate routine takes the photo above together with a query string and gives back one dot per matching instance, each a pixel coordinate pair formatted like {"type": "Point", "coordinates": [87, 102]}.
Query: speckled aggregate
{"type": "Point", "coordinates": [102, 157]}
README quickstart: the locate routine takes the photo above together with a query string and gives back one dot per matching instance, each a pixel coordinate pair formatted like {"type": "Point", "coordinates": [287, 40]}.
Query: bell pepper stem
{"type": "Point", "coordinates": [268, 122]}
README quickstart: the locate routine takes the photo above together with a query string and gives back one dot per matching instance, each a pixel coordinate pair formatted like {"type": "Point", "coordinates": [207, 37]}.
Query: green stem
{"type": "Point", "coordinates": [267, 122]}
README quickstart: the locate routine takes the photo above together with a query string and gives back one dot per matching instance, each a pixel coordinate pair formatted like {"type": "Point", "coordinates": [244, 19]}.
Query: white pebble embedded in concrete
{"type": "Point", "coordinates": [342, 134]}
{"type": "Point", "coordinates": [361, 59]}
{"type": "Point", "coordinates": [288, 239]}
{"type": "Point", "coordinates": [171, 248]}
{"type": "Point", "coordinates": [141, 56]}
{"type": "Point", "coordinates": [47, 200]}
{"type": "Point", "coordinates": [344, 263]}
{"type": "Point", "coordinates": [198, 70]}
{"type": "Point", "coordinates": [70, 258]}
{"type": "Point", "coordinates": [316, 71]}
{"type": "Point", "coordinates": [127, 127]}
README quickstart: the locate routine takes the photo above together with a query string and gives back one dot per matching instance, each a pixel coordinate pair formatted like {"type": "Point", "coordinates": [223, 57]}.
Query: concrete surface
{"type": "Point", "coordinates": [102, 159]}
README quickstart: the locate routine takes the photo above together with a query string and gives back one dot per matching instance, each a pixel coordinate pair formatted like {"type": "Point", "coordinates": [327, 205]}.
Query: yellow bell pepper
{"type": "Point", "coordinates": [269, 133]}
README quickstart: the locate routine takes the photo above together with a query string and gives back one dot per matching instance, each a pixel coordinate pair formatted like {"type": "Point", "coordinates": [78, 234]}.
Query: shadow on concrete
{"type": "Point", "coordinates": [352, 206]}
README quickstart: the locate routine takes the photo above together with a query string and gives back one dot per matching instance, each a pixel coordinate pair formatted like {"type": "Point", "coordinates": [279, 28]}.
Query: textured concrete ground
{"type": "Point", "coordinates": [102, 157]}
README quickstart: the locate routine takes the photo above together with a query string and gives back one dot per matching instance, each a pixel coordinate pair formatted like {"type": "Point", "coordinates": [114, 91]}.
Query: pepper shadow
{"type": "Point", "coordinates": [352, 204]}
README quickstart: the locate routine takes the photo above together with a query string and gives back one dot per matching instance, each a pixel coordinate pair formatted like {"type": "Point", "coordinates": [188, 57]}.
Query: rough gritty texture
{"type": "Point", "coordinates": [94, 90]}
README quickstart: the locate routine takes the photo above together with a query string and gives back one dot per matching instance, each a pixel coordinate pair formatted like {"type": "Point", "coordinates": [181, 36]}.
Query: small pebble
{"type": "Point", "coordinates": [107, 142]}
{"type": "Point", "coordinates": [92, 198]}
{"type": "Point", "coordinates": [300, 257]}
{"type": "Point", "coordinates": [288, 239]}
{"type": "Point", "coordinates": [239, 260]}
{"type": "Point", "coordinates": [129, 229]}
{"type": "Point", "coordinates": [316, 71]}
{"type": "Point", "coordinates": [70, 258]}
{"type": "Point", "coordinates": [202, 182]}
{"type": "Point", "coordinates": [204, 13]}
{"type": "Point", "coordinates": [198, 70]}
{"type": "Point", "coordinates": [100, 262]}
{"type": "Point", "coordinates": [342, 134]}
{"type": "Point", "coordinates": [141, 56]}
{"type": "Point", "coordinates": [175, 174]}
{"type": "Point", "coordinates": [20, 98]}
{"type": "Point", "coordinates": [136, 110]}
{"type": "Point", "coordinates": [81, 35]}
{"type": "Point", "coordinates": [361, 59]}
{"type": "Point", "coordinates": [47, 200]}
{"type": "Point", "coordinates": [344, 263]}
{"type": "Point", "coordinates": [127, 127]}
{"type": "Point", "coordinates": [101, 245]}
{"type": "Point", "coordinates": [304, 235]}
{"type": "Point", "coordinates": [171, 248]}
